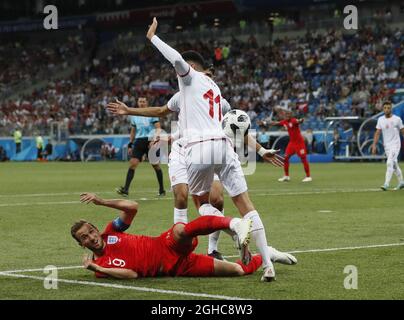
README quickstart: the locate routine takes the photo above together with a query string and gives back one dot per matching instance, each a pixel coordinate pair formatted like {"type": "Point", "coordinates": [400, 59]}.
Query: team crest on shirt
{"type": "Point", "coordinates": [112, 239]}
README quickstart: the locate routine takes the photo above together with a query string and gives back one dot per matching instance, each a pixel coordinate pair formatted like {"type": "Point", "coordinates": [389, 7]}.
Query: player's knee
{"type": "Point", "coordinates": [133, 164]}
{"type": "Point", "coordinates": [238, 270]}
{"type": "Point", "coordinates": [217, 201]}
{"type": "Point", "coordinates": [156, 167]}
{"type": "Point", "coordinates": [181, 200]}
{"type": "Point", "coordinates": [390, 164]}
{"type": "Point", "coordinates": [179, 231]}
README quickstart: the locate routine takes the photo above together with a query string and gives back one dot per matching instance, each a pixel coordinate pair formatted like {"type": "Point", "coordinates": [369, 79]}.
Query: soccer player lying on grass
{"type": "Point", "coordinates": [121, 255]}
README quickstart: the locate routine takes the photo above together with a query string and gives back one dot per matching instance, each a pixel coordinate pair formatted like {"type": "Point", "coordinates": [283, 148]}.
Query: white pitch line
{"type": "Point", "coordinates": [117, 286]}
{"type": "Point", "coordinates": [21, 204]}
{"type": "Point", "coordinates": [171, 198]}
{"type": "Point", "coordinates": [268, 191]}
{"type": "Point", "coordinates": [236, 256]}
{"type": "Point", "coordinates": [340, 249]}
{"type": "Point", "coordinates": [41, 269]}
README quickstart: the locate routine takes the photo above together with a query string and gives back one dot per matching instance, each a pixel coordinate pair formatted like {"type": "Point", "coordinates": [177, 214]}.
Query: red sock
{"type": "Point", "coordinates": [306, 166]}
{"type": "Point", "coordinates": [255, 263]}
{"type": "Point", "coordinates": [286, 165]}
{"type": "Point", "coordinates": [206, 225]}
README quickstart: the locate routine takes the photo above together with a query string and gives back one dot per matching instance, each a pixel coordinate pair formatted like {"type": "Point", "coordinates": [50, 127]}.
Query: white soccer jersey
{"type": "Point", "coordinates": [174, 104]}
{"type": "Point", "coordinates": [201, 115]}
{"type": "Point", "coordinates": [225, 106]}
{"type": "Point", "coordinates": [391, 131]}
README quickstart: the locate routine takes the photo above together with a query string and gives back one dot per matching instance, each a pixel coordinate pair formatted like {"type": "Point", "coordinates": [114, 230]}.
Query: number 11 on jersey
{"type": "Point", "coordinates": [209, 96]}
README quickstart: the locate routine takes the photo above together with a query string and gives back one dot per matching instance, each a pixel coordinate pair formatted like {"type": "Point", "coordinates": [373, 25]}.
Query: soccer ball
{"type": "Point", "coordinates": [236, 124]}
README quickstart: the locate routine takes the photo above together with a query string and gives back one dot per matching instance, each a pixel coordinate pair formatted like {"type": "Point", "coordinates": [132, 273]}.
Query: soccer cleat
{"type": "Point", "coordinates": [243, 233]}
{"type": "Point", "coordinates": [269, 274]}
{"type": "Point", "coordinates": [281, 257]}
{"type": "Point", "coordinates": [384, 187]}
{"type": "Point", "coordinates": [161, 193]}
{"type": "Point", "coordinates": [307, 179]}
{"type": "Point", "coordinates": [400, 186]}
{"type": "Point", "coordinates": [217, 255]}
{"type": "Point", "coordinates": [121, 191]}
{"type": "Point", "coordinates": [284, 179]}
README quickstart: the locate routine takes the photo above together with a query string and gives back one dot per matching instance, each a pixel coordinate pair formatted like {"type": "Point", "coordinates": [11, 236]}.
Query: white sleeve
{"type": "Point", "coordinates": [182, 68]}
{"type": "Point", "coordinates": [226, 107]}
{"type": "Point", "coordinates": [174, 103]}
{"type": "Point", "coordinates": [378, 125]}
{"type": "Point", "coordinates": [400, 123]}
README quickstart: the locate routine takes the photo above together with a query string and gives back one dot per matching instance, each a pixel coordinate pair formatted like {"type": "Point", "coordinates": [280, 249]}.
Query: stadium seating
{"type": "Point", "coordinates": [335, 80]}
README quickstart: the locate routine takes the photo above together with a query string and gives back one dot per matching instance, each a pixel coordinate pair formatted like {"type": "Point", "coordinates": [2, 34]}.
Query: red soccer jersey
{"type": "Point", "coordinates": [122, 250]}
{"type": "Point", "coordinates": [292, 125]}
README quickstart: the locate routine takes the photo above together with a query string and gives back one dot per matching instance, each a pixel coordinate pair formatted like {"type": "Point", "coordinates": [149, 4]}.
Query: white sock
{"type": "Point", "coordinates": [389, 173]}
{"type": "Point", "coordinates": [258, 234]}
{"type": "Point", "coordinates": [398, 173]}
{"type": "Point", "coordinates": [209, 210]}
{"type": "Point", "coordinates": [180, 215]}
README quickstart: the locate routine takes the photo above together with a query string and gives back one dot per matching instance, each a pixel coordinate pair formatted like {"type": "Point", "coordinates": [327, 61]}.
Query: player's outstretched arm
{"type": "Point", "coordinates": [128, 208]}
{"type": "Point", "coordinates": [270, 155]}
{"type": "Point", "coordinates": [274, 123]}
{"type": "Point", "coordinates": [172, 55]}
{"type": "Point", "coordinates": [118, 273]}
{"type": "Point", "coordinates": [375, 140]}
{"type": "Point", "coordinates": [121, 109]}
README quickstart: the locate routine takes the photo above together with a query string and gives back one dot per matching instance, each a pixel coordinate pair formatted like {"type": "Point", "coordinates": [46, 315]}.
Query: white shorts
{"type": "Point", "coordinates": [177, 169]}
{"type": "Point", "coordinates": [205, 159]}
{"type": "Point", "coordinates": [392, 153]}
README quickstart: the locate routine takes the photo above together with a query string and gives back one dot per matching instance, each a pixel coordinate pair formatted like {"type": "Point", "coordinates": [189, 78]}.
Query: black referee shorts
{"type": "Point", "coordinates": [140, 148]}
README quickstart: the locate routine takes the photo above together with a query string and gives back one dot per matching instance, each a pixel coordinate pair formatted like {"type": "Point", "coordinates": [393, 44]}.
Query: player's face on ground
{"type": "Point", "coordinates": [90, 237]}
{"type": "Point", "coordinates": [387, 109]}
{"type": "Point", "coordinates": [142, 103]}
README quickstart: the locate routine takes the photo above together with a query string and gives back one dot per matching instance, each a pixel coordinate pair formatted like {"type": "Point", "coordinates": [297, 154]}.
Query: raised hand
{"type": "Point", "coordinates": [118, 108]}
{"type": "Point", "coordinates": [88, 197]}
{"type": "Point", "coordinates": [152, 29]}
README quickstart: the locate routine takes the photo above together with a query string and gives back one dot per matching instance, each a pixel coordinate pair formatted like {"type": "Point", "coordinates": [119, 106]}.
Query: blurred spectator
{"type": "Point", "coordinates": [17, 140]}
{"type": "Point", "coordinates": [108, 151]}
{"type": "Point", "coordinates": [39, 147]}
{"type": "Point", "coordinates": [3, 154]}
{"type": "Point", "coordinates": [48, 151]}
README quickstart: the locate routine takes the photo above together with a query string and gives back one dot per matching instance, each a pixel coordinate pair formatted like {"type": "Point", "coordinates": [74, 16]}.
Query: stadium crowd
{"type": "Point", "coordinates": [317, 75]}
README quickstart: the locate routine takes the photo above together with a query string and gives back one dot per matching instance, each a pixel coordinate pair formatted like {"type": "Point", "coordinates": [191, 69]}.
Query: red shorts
{"type": "Point", "coordinates": [179, 259]}
{"type": "Point", "coordinates": [296, 147]}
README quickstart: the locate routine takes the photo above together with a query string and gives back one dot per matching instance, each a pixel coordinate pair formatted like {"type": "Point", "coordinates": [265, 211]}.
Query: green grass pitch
{"type": "Point", "coordinates": [341, 208]}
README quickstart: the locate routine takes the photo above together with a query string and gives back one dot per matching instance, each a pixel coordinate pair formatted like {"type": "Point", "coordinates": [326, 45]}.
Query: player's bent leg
{"type": "Point", "coordinates": [184, 234]}
{"type": "Point", "coordinates": [303, 157]}
{"type": "Point", "coordinates": [159, 176]}
{"type": "Point", "coordinates": [216, 198]}
{"type": "Point", "coordinates": [286, 177]}
{"type": "Point", "coordinates": [227, 269]}
{"type": "Point", "coordinates": [124, 191]}
{"type": "Point", "coordinates": [180, 203]}
{"type": "Point", "coordinates": [232, 269]}
{"type": "Point", "coordinates": [243, 203]}
{"type": "Point", "coordinates": [133, 163]}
